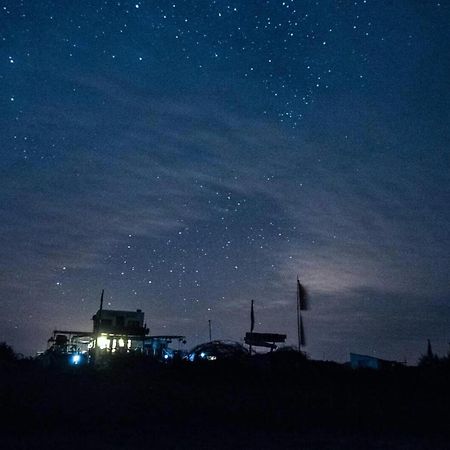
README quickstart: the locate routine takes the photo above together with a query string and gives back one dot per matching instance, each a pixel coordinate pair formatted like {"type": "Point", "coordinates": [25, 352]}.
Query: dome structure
{"type": "Point", "coordinates": [217, 350]}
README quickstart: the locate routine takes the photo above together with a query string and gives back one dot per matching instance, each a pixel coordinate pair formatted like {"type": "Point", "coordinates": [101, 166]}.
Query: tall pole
{"type": "Point", "coordinates": [252, 324]}
{"type": "Point", "coordinates": [302, 305]}
{"type": "Point", "coordinates": [209, 326]}
{"type": "Point", "coordinates": [99, 318]}
{"type": "Point", "coordinates": [298, 316]}
{"type": "Point", "coordinates": [97, 327]}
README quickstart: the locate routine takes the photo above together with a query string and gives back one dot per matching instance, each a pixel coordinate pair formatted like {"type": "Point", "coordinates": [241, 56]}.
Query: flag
{"type": "Point", "coordinates": [302, 333]}
{"type": "Point", "coordinates": [252, 319]}
{"type": "Point", "coordinates": [302, 296]}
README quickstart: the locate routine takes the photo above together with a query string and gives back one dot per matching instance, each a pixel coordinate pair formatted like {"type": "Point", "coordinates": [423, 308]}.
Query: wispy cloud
{"type": "Point", "coordinates": [347, 227]}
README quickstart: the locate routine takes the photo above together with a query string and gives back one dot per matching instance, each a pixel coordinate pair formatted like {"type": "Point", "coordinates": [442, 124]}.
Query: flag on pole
{"type": "Point", "coordinates": [302, 296]}
{"type": "Point", "coordinates": [252, 319]}
{"type": "Point", "coordinates": [302, 333]}
{"type": "Point", "coordinates": [302, 305]}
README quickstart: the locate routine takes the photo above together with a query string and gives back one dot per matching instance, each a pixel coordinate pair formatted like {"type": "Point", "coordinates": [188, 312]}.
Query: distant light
{"type": "Point", "coordinates": [166, 356]}
{"type": "Point", "coordinates": [103, 342]}
{"type": "Point", "coordinates": [202, 355]}
{"type": "Point", "coordinates": [76, 359]}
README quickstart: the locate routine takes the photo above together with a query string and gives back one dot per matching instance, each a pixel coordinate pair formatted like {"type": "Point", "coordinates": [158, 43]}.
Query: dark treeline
{"type": "Point", "coordinates": [279, 400]}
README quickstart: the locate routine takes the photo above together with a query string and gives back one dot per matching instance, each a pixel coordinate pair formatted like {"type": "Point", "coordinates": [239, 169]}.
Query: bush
{"type": "Point", "coordinates": [7, 353]}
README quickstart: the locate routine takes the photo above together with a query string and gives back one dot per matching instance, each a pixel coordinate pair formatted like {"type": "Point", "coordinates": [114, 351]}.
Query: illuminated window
{"type": "Point", "coordinates": [103, 342]}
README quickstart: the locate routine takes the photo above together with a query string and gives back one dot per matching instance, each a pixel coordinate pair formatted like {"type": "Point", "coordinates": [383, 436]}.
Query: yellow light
{"type": "Point", "coordinates": [103, 342]}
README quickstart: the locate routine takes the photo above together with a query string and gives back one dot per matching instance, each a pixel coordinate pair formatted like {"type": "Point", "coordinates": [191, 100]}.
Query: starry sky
{"type": "Point", "coordinates": [189, 156]}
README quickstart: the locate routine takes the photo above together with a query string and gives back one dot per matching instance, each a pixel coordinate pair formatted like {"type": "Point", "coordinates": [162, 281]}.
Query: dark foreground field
{"type": "Point", "coordinates": [278, 402]}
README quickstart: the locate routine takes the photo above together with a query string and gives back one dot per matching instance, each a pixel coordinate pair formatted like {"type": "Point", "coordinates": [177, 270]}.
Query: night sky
{"type": "Point", "coordinates": [189, 156]}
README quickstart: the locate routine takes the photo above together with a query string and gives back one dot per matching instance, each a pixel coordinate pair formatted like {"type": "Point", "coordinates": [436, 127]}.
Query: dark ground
{"type": "Point", "coordinates": [280, 402]}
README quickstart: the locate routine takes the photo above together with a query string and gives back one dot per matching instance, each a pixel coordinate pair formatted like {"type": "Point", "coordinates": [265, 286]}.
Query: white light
{"type": "Point", "coordinates": [76, 359]}
{"type": "Point", "coordinates": [103, 342]}
{"type": "Point", "coordinates": [202, 355]}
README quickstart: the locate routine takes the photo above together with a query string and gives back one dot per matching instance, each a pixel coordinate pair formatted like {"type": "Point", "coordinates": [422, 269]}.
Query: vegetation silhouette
{"type": "Point", "coordinates": [276, 400]}
{"type": "Point", "coordinates": [7, 353]}
{"type": "Point", "coordinates": [430, 359]}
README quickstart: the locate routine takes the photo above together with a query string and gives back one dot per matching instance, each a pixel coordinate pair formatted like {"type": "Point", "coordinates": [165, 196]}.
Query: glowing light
{"type": "Point", "coordinates": [103, 342]}
{"type": "Point", "coordinates": [76, 359]}
{"type": "Point", "coordinates": [121, 343]}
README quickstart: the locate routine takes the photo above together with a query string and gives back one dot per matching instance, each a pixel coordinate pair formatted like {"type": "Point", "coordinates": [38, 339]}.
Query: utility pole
{"type": "Point", "coordinates": [97, 329]}
{"type": "Point", "coordinates": [252, 323]}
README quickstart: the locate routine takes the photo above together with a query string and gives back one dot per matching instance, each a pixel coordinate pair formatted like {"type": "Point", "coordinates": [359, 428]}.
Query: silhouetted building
{"type": "Point", "coordinates": [158, 347]}
{"type": "Point", "coordinates": [119, 331]}
{"type": "Point", "coordinates": [371, 362]}
{"type": "Point", "coordinates": [114, 332]}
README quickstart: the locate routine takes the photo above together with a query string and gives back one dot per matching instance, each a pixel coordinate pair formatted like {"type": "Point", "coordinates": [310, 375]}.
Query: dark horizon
{"type": "Point", "coordinates": [189, 158]}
